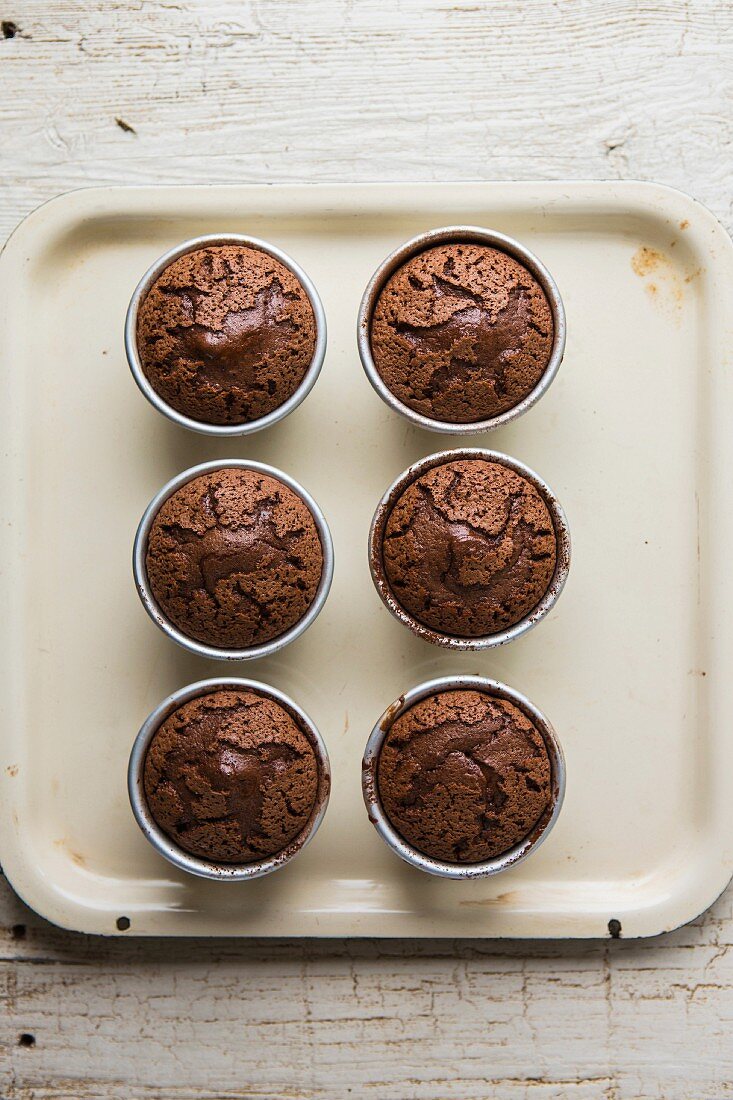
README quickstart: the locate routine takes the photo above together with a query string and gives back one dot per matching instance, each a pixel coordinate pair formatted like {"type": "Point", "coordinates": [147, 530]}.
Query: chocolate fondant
{"type": "Point", "coordinates": [461, 333]}
{"type": "Point", "coordinates": [225, 334]}
{"type": "Point", "coordinates": [230, 777]}
{"type": "Point", "coordinates": [234, 558]}
{"type": "Point", "coordinates": [469, 548]}
{"type": "Point", "coordinates": [464, 776]}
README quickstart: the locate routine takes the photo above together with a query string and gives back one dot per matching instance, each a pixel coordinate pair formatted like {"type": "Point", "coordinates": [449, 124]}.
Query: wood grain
{"type": "Point", "coordinates": [122, 91]}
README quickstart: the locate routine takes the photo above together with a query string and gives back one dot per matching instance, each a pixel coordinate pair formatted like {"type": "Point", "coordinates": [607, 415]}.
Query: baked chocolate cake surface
{"type": "Point", "coordinates": [461, 333]}
{"type": "Point", "coordinates": [469, 548]}
{"type": "Point", "coordinates": [234, 558]}
{"type": "Point", "coordinates": [464, 776]}
{"type": "Point", "coordinates": [225, 334]}
{"type": "Point", "coordinates": [230, 777]}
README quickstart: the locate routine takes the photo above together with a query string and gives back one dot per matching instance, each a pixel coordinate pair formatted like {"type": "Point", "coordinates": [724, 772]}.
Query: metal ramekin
{"type": "Point", "coordinates": [156, 613]}
{"type": "Point", "coordinates": [457, 234]}
{"type": "Point", "coordinates": [154, 397]}
{"type": "Point", "coordinates": [370, 786]}
{"type": "Point", "coordinates": [195, 865]}
{"type": "Point", "coordinates": [451, 641]}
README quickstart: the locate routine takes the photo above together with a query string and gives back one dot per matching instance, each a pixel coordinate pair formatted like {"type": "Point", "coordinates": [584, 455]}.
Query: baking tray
{"type": "Point", "coordinates": [632, 667]}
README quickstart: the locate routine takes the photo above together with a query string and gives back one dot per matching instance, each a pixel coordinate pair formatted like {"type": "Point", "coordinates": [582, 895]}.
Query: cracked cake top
{"type": "Point", "coordinates": [464, 776]}
{"type": "Point", "coordinates": [469, 548]}
{"type": "Point", "coordinates": [461, 333]}
{"type": "Point", "coordinates": [231, 777]}
{"type": "Point", "coordinates": [225, 334]}
{"type": "Point", "coordinates": [234, 558]}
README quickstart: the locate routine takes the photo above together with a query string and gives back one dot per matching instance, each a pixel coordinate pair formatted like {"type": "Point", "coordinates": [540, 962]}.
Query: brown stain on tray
{"type": "Point", "coordinates": [662, 280]}
{"type": "Point", "coordinates": [507, 898]}
{"type": "Point", "coordinates": [73, 855]}
{"type": "Point", "coordinates": [645, 260]}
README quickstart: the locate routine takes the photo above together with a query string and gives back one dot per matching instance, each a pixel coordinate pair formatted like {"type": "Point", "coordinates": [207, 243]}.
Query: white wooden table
{"type": "Point", "coordinates": [193, 91]}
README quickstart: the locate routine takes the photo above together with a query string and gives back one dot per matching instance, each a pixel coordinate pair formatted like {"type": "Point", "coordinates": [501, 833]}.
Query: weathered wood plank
{"type": "Point", "coordinates": [126, 92]}
{"type": "Point", "coordinates": [225, 92]}
{"type": "Point", "coordinates": [385, 1019]}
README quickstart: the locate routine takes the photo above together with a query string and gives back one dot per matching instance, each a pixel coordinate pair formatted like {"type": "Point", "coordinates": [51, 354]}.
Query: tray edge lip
{"type": "Point", "coordinates": [645, 190]}
{"type": "Point", "coordinates": [62, 917]}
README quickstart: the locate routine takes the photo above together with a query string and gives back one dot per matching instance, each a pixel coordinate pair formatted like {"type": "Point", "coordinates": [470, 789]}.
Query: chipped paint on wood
{"type": "Point", "coordinates": [266, 90]}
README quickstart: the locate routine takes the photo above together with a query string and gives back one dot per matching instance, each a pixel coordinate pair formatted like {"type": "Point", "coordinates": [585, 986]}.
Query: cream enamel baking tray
{"type": "Point", "coordinates": [633, 667]}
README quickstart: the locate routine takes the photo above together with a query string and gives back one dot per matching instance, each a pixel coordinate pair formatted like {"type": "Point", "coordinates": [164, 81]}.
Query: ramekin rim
{"type": "Point", "coordinates": [389, 834]}
{"type": "Point", "coordinates": [186, 861]}
{"type": "Point", "coordinates": [527, 622]}
{"type": "Point", "coordinates": [140, 292]}
{"type": "Point", "coordinates": [420, 243]}
{"type": "Point", "coordinates": [157, 614]}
